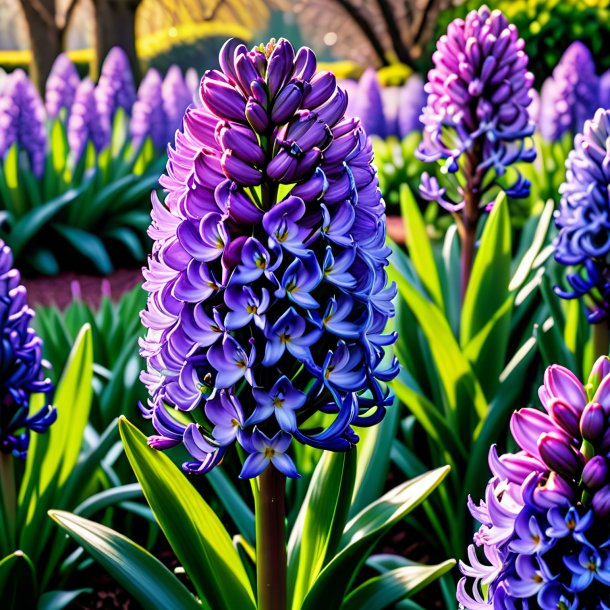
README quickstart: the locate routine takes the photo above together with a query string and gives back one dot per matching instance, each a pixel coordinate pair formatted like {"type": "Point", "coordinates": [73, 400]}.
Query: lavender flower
{"type": "Point", "coordinates": [22, 120]}
{"type": "Point", "coordinates": [476, 115]}
{"type": "Point", "coordinates": [177, 97]}
{"type": "Point", "coordinates": [570, 96]}
{"type": "Point", "coordinates": [115, 88]}
{"type": "Point", "coordinates": [21, 368]}
{"type": "Point", "coordinates": [604, 90]}
{"type": "Point", "coordinates": [545, 529]}
{"type": "Point", "coordinates": [85, 123]}
{"type": "Point", "coordinates": [148, 116]}
{"type": "Point", "coordinates": [410, 106]}
{"type": "Point", "coordinates": [268, 297]}
{"type": "Point", "coordinates": [583, 218]}
{"type": "Point", "coordinates": [369, 104]}
{"type": "Point", "coordinates": [61, 86]}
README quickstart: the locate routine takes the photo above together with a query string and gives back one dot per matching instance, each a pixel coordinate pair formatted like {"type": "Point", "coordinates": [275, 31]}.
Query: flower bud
{"type": "Point", "coordinates": [559, 456]}
{"type": "Point", "coordinates": [595, 473]}
{"type": "Point", "coordinates": [601, 502]}
{"type": "Point", "coordinates": [286, 103]}
{"type": "Point", "coordinates": [600, 369]}
{"type": "Point", "coordinates": [565, 415]}
{"type": "Point", "coordinates": [593, 422]}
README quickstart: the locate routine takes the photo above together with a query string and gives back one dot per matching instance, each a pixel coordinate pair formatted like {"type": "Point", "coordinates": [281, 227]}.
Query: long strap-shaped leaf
{"type": "Point", "coordinates": [133, 567]}
{"type": "Point", "coordinates": [18, 584]}
{"type": "Point", "coordinates": [195, 533]}
{"type": "Point", "coordinates": [362, 533]}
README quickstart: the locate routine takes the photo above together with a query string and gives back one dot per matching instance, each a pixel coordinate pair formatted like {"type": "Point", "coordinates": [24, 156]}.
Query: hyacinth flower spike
{"type": "Point", "coordinates": [544, 532]}
{"type": "Point", "coordinates": [476, 122]}
{"type": "Point", "coordinates": [583, 220]}
{"type": "Point", "coordinates": [267, 286]}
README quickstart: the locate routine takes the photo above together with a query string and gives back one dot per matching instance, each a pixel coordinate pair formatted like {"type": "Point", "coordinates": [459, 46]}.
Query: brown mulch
{"type": "Point", "coordinates": [61, 290]}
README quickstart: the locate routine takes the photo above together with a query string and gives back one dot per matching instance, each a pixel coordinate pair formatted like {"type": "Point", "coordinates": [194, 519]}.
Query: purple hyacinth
{"type": "Point", "coordinates": [268, 296]}
{"type": "Point", "coordinates": [177, 97]}
{"type": "Point", "coordinates": [583, 218]}
{"type": "Point", "coordinates": [22, 120]}
{"type": "Point", "coordinates": [148, 115]}
{"type": "Point", "coordinates": [21, 364]}
{"type": "Point", "coordinates": [369, 104]}
{"type": "Point", "coordinates": [411, 103]}
{"type": "Point", "coordinates": [604, 90]}
{"type": "Point", "coordinates": [543, 542]}
{"type": "Point", "coordinates": [476, 116]}
{"type": "Point", "coordinates": [115, 88]}
{"type": "Point", "coordinates": [61, 86]}
{"type": "Point", "coordinates": [85, 123]}
{"type": "Point", "coordinates": [570, 96]}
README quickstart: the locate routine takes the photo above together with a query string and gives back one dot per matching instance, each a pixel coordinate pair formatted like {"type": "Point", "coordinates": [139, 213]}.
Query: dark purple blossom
{"type": "Point", "coordinates": [22, 120]}
{"type": "Point", "coordinates": [583, 218]}
{"type": "Point", "coordinates": [148, 117]}
{"type": "Point", "coordinates": [476, 120]}
{"type": "Point", "coordinates": [21, 364]}
{"type": "Point", "coordinates": [544, 530]}
{"type": "Point", "coordinates": [85, 123]}
{"type": "Point", "coordinates": [268, 295]}
{"type": "Point", "coordinates": [571, 95]}
{"type": "Point", "coordinates": [61, 86]}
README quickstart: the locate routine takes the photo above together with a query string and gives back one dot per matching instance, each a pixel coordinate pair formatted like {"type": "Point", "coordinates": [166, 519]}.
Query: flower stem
{"type": "Point", "coordinates": [468, 234]}
{"type": "Point", "coordinates": [8, 500]}
{"type": "Point", "coordinates": [271, 540]}
{"type": "Point", "coordinates": [600, 339]}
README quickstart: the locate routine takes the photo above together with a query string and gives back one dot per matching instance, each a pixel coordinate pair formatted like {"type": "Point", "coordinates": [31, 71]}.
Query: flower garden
{"type": "Point", "coordinates": [278, 339]}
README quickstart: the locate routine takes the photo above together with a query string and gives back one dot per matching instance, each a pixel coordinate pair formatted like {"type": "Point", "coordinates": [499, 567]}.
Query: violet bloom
{"type": "Point", "coordinates": [604, 90]}
{"type": "Point", "coordinates": [22, 120]}
{"type": "Point", "coordinates": [571, 95]}
{"type": "Point", "coordinates": [177, 97]}
{"type": "Point", "coordinates": [85, 123]}
{"type": "Point", "coordinates": [61, 86]}
{"type": "Point", "coordinates": [411, 103]}
{"type": "Point", "coordinates": [267, 283]}
{"type": "Point", "coordinates": [583, 218]}
{"type": "Point", "coordinates": [545, 527]}
{"type": "Point", "coordinates": [115, 88]}
{"type": "Point", "coordinates": [369, 104]}
{"type": "Point", "coordinates": [148, 117]}
{"type": "Point", "coordinates": [22, 367]}
{"type": "Point", "coordinates": [476, 119]}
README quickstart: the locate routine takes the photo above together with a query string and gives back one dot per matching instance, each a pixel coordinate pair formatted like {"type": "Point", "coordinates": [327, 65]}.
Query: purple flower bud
{"type": "Point", "coordinates": [600, 370]}
{"type": "Point", "coordinates": [565, 415]}
{"type": "Point", "coordinates": [593, 422]}
{"type": "Point", "coordinates": [61, 85]}
{"type": "Point", "coordinates": [256, 115]}
{"type": "Point", "coordinates": [595, 473]}
{"type": "Point", "coordinates": [115, 88]}
{"type": "Point", "coordinates": [323, 85]}
{"type": "Point", "coordinates": [85, 123]}
{"type": "Point", "coordinates": [148, 118]}
{"type": "Point", "coordinates": [287, 103]}
{"type": "Point", "coordinates": [601, 502]}
{"type": "Point", "coordinates": [558, 456]}
{"type": "Point", "coordinates": [238, 170]}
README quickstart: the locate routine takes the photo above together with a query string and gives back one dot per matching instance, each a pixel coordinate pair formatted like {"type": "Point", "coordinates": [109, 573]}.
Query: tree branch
{"type": "Point", "coordinates": [68, 16]}
{"type": "Point", "coordinates": [391, 23]}
{"type": "Point", "coordinates": [41, 10]}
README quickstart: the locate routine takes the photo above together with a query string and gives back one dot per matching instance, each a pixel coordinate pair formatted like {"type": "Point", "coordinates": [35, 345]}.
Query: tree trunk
{"type": "Point", "coordinates": [115, 22]}
{"type": "Point", "coordinates": [45, 38]}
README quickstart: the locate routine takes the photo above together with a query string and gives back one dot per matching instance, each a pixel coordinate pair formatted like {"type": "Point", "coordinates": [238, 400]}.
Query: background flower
{"type": "Point", "coordinates": [61, 86]}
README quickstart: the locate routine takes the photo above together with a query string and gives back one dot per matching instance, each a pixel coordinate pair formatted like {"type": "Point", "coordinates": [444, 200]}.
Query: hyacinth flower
{"type": "Point", "coordinates": [148, 118]}
{"type": "Point", "coordinates": [177, 97]}
{"type": "Point", "coordinates": [369, 105]}
{"type": "Point", "coordinates": [410, 106]}
{"type": "Point", "coordinates": [544, 535]}
{"type": "Point", "coordinates": [61, 86]}
{"type": "Point", "coordinates": [571, 95]}
{"type": "Point", "coordinates": [22, 120]}
{"type": "Point", "coordinates": [115, 88]}
{"type": "Point", "coordinates": [583, 220]}
{"type": "Point", "coordinates": [85, 123]}
{"type": "Point", "coordinates": [476, 122]}
{"type": "Point", "coordinates": [268, 294]}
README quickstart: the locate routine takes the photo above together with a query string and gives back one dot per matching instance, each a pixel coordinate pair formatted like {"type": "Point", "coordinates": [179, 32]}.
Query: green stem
{"type": "Point", "coordinates": [271, 562]}
{"type": "Point", "coordinates": [600, 339]}
{"type": "Point", "coordinates": [8, 499]}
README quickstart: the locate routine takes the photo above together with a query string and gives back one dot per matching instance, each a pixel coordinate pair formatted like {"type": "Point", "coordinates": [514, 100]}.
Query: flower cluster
{"type": "Point", "coordinates": [177, 96]}
{"type": "Point", "coordinates": [268, 299]}
{"type": "Point", "coordinates": [115, 88]}
{"type": "Point", "coordinates": [545, 532]}
{"type": "Point", "coordinates": [21, 364]}
{"type": "Point", "coordinates": [570, 96]}
{"type": "Point", "coordinates": [583, 218]}
{"type": "Point", "coordinates": [22, 120]}
{"type": "Point", "coordinates": [476, 116]}
{"type": "Point", "coordinates": [85, 124]}
{"type": "Point", "coordinates": [61, 86]}
{"type": "Point", "coordinates": [148, 115]}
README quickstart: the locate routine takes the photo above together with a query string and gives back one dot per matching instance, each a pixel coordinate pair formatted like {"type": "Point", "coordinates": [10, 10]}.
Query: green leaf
{"type": "Point", "coordinates": [88, 245]}
{"type": "Point", "coordinates": [320, 523]}
{"type": "Point", "coordinates": [418, 242]}
{"type": "Point", "coordinates": [488, 285]}
{"type": "Point", "coordinates": [18, 583]}
{"type": "Point", "coordinates": [58, 600]}
{"type": "Point", "coordinates": [133, 567]}
{"type": "Point", "coordinates": [382, 591]}
{"type": "Point", "coordinates": [193, 530]}
{"type": "Point", "coordinates": [108, 497]}
{"type": "Point", "coordinates": [362, 533]}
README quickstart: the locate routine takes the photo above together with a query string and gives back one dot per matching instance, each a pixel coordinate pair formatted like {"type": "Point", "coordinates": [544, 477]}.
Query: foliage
{"type": "Point", "coordinates": [327, 548]}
